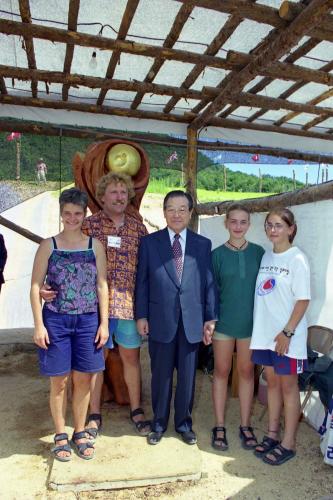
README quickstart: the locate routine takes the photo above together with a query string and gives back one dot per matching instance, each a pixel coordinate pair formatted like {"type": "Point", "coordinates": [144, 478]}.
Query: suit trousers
{"type": "Point", "coordinates": [164, 358]}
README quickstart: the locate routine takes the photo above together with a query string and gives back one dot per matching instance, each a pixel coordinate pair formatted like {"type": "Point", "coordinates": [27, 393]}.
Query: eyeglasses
{"type": "Point", "coordinates": [276, 227]}
{"type": "Point", "coordinates": [173, 211]}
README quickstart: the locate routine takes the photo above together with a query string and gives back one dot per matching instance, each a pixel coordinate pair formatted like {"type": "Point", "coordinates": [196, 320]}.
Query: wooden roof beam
{"type": "Point", "coordinates": [281, 70]}
{"type": "Point", "coordinates": [220, 39]}
{"type": "Point", "coordinates": [263, 14]}
{"type": "Point", "coordinates": [73, 13]}
{"type": "Point", "coordinates": [267, 41]}
{"type": "Point", "coordinates": [287, 38]}
{"type": "Point", "coordinates": [150, 115]}
{"type": "Point", "coordinates": [96, 41]}
{"type": "Point", "coordinates": [209, 93]}
{"type": "Point", "coordinates": [260, 101]}
{"type": "Point", "coordinates": [239, 124]}
{"type": "Point", "coordinates": [90, 108]}
{"type": "Point", "coordinates": [129, 12]}
{"type": "Point", "coordinates": [3, 88]}
{"type": "Point", "coordinates": [181, 18]}
{"type": "Point", "coordinates": [28, 42]}
{"type": "Point", "coordinates": [289, 10]}
{"type": "Point", "coordinates": [315, 122]}
{"type": "Point", "coordinates": [104, 134]}
{"type": "Point", "coordinates": [314, 101]}
{"type": "Point", "coordinates": [235, 61]}
{"type": "Point", "coordinates": [102, 83]}
{"type": "Point", "coordinates": [296, 54]}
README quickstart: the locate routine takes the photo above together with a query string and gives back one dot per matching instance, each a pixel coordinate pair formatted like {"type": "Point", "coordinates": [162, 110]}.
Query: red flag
{"type": "Point", "coordinates": [13, 135]}
{"type": "Point", "coordinates": [255, 157]}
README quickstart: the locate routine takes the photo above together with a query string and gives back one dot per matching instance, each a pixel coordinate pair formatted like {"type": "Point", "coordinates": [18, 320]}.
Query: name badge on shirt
{"type": "Point", "coordinates": [114, 241]}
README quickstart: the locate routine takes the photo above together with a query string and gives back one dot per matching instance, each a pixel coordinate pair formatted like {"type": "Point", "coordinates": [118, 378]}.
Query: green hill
{"type": "Point", "coordinates": [210, 176]}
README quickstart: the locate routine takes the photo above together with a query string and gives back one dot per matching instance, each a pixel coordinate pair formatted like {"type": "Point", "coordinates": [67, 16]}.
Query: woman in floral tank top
{"type": "Point", "coordinates": [71, 330]}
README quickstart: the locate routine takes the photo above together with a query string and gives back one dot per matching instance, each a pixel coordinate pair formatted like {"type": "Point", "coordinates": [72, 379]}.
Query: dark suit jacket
{"type": "Point", "coordinates": [3, 258]}
{"type": "Point", "coordinates": [162, 299]}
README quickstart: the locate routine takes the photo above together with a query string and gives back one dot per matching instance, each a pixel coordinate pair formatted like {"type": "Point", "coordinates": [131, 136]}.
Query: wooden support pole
{"type": "Point", "coordinates": [20, 230]}
{"type": "Point", "coordinates": [191, 173]}
{"type": "Point", "coordinates": [18, 159]}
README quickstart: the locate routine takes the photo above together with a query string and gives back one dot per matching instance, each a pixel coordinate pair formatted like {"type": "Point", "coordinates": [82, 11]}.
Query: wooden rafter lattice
{"type": "Point", "coordinates": [181, 18]}
{"type": "Point", "coordinates": [209, 93]}
{"type": "Point", "coordinates": [73, 13]}
{"type": "Point", "coordinates": [323, 30]}
{"type": "Point", "coordinates": [212, 50]}
{"type": "Point", "coordinates": [273, 58]}
{"type": "Point", "coordinates": [28, 42]}
{"type": "Point", "coordinates": [123, 30]}
{"type": "Point", "coordinates": [286, 39]}
{"type": "Point", "coordinates": [299, 52]}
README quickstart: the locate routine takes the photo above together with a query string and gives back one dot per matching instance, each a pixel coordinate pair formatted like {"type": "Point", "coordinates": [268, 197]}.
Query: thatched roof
{"type": "Point", "coordinates": [255, 71]}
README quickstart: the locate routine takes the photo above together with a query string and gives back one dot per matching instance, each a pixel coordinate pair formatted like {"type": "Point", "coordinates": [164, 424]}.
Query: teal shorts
{"type": "Point", "coordinates": [223, 336]}
{"type": "Point", "coordinates": [124, 332]}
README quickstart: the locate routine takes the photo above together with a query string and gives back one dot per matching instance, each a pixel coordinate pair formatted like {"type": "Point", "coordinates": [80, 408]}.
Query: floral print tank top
{"type": "Point", "coordinates": [73, 274]}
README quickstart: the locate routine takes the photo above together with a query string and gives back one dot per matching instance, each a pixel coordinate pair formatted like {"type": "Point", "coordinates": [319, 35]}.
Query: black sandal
{"type": "Point", "coordinates": [61, 447]}
{"type": "Point", "coordinates": [245, 440]}
{"type": "Point", "coordinates": [93, 432]}
{"type": "Point", "coordinates": [80, 448]}
{"type": "Point", "coordinates": [267, 444]}
{"type": "Point", "coordinates": [280, 454]}
{"type": "Point", "coordinates": [223, 446]}
{"type": "Point", "coordinates": [140, 425]}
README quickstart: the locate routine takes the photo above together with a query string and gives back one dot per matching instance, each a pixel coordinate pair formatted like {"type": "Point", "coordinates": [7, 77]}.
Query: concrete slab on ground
{"type": "Point", "coordinates": [16, 336]}
{"type": "Point", "coordinates": [125, 460]}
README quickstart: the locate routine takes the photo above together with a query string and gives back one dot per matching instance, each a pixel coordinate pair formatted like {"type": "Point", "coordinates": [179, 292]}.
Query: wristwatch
{"type": "Point", "coordinates": [288, 333]}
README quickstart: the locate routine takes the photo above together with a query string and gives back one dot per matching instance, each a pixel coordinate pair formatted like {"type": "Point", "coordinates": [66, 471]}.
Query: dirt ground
{"type": "Point", "coordinates": [26, 437]}
{"type": "Point", "coordinates": [27, 432]}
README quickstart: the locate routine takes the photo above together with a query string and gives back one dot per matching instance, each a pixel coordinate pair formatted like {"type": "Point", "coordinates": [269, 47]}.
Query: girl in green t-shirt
{"type": "Point", "coordinates": [235, 265]}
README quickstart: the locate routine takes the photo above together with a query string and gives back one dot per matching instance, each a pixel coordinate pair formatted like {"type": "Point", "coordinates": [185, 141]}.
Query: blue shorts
{"type": "Point", "coordinates": [283, 365]}
{"type": "Point", "coordinates": [124, 332]}
{"type": "Point", "coordinates": [72, 344]}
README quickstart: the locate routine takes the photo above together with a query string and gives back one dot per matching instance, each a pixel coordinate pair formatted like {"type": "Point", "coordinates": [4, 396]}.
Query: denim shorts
{"type": "Point", "coordinates": [283, 365]}
{"type": "Point", "coordinates": [72, 344]}
{"type": "Point", "coordinates": [124, 332]}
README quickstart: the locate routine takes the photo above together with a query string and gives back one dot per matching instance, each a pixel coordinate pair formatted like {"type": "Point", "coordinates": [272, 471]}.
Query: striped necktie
{"type": "Point", "coordinates": [177, 255]}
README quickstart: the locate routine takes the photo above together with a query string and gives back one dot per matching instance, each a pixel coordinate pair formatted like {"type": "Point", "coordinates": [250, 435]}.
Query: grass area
{"type": "Point", "coordinates": [27, 189]}
{"type": "Point", "coordinates": [161, 187]}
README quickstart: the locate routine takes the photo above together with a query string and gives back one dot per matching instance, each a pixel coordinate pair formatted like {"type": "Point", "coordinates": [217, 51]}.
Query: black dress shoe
{"type": "Point", "coordinates": [154, 437]}
{"type": "Point", "coordinates": [189, 437]}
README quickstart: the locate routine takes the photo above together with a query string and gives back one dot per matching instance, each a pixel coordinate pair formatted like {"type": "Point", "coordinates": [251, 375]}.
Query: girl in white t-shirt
{"type": "Point", "coordinates": [280, 332]}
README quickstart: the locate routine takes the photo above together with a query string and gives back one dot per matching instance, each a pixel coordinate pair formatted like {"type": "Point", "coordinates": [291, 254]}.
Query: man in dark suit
{"type": "Point", "coordinates": [3, 259]}
{"type": "Point", "coordinates": [176, 308]}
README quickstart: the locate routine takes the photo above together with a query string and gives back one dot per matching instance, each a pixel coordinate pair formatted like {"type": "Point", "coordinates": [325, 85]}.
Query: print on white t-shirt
{"type": "Point", "coordinates": [283, 279]}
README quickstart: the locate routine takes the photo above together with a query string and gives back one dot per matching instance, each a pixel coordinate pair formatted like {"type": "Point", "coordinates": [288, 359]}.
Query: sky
{"type": "Point", "coordinates": [284, 170]}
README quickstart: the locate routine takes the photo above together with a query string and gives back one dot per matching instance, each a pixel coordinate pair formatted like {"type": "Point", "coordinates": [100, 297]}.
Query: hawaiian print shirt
{"type": "Point", "coordinates": [121, 262]}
